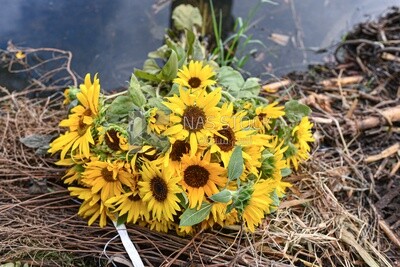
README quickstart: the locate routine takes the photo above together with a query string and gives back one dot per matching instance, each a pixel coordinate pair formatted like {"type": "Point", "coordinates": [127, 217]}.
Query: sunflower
{"type": "Point", "coordinates": [303, 135]}
{"type": "Point", "coordinates": [108, 178]}
{"type": "Point", "coordinates": [252, 159]}
{"type": "Point", "coordinates": [201, 177]}
{"type": "Point", "coordinates": [70, 95]}
{"type": "Point", "coordinates": [76, 167]}
{"type": "Point", "coordinates": [160, 226]}
{"type": "Point", "coordinates": [231, 218]}
{"type": "Point", "coordinates": [195, 76]}
{"type": "Point", "coordinates": [91, 206]}
{"type": "Point", "coordinates": [73, 174]}
{"type": "Point", "coordinates": [217, 215]}
{"type": "Point", "coordinates": [258, 204]}
{"type": "Point", "coordinates": [299, 149]}
{"type": "Point", "coordinates": [114, 137]}
{"type": "Point", "coordinates": [252, 151]}
{"type": "Point", "coordinates": [157, 121]}
{"type": "Point", "coordinates": [172, 158]}
{"type": "Point", "coordinates": [185, 230]}
{"type": "Point", "coordinates": [195, 117]}
{"type": "Point", "coordinates": [20, 55]}
{"type": "Point", "coordinates": [131, 204]}
{"type": "Point", "coordinates": [67, 98]}
{"type": "Point", "coordinates": [264, 115]}
{"type": "Point", "coordinates": [159, 190]}
{"type": "Point", "coordinates": [235, 131]}
{"type": "Point", "coordinates": [80, 121]}
{"type": "Point", "coordinates": [143, 154]}
{"type": "Point", "coordinates": [95, 211]}
{"type": "Point", "coordinates": [273, 164]}
{"type": "Point", "coordinates": [272, 159]}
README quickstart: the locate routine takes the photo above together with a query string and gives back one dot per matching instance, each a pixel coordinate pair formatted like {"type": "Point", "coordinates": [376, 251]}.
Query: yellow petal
{"type": "Point", "coordinates": [193, 144]}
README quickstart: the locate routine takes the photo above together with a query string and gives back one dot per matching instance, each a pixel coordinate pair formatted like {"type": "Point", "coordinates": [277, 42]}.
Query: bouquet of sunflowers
{"type": "Point", "coordinates": [189, 145]}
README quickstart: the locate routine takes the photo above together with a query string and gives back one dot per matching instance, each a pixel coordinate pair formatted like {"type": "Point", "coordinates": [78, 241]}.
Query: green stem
{"type": "Point", "coordinates": [228, 95]}
{"type": "Point", "coordinates": [107, 97]}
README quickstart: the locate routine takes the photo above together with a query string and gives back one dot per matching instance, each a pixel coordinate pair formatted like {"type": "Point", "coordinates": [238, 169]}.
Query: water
{"type": "Point", "coordinates": [114, 37]}
{"type": "Point", "coordinates": [311, 25]}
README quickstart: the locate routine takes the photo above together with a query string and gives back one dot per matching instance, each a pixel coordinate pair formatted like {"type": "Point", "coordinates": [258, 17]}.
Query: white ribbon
{"type": "Point", "coordinates": [128, 245]}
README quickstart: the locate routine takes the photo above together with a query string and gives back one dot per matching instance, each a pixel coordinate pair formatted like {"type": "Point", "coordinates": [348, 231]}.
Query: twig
{"type": "Point", "coordinates": [274, 87]}
{"type": "Point", "coordinates": [383, 154]}
{"type": "Point", "coordinates": [389, 233]}
{"type": "Point", "coordinates": [390, 115]}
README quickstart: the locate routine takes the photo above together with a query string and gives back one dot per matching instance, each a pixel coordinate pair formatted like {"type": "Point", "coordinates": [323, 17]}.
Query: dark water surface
{"type": "Point", "coordinates": [113, 37]}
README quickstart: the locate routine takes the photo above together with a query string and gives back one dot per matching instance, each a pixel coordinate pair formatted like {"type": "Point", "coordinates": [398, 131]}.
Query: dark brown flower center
{"type": "Point", "coordinates": [178, 149]}
{"type": "Point", "coordinates": [196, 176]}
{"type": "Point", "coordinates": [112, 140]}
{"type": "Point", "coordinates": [148, 154]}
{"type": "Point", "coordinates": [134, 198]}
{"type": "Point", "coordinates": [159, 188]}
{"type": "Point", "coordinates": [225, 144]}
{"type": "Point", "coordinates": [107, 175]}
{"type": "Point", "coordinates": [194, 119]}
{"type": "Point", "coordinates": [263, 118]}
{"type": "Point", "coordinates": [194, 82]}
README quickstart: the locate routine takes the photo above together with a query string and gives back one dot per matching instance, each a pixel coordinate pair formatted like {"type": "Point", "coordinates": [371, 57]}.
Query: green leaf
{"type": "Point", "coordinates": [170, 69]}
{"type": "Point", "coordinates": [156, 102]}
{"type": "Point", "coordinates": [286, 172]}
{"type": "Point", "coordinates": [193, 216]}
{"type": "Point", "coordinates": [137, 128]}
{"type": "Point", "coordinates": [223, 197]}
{"type": "Point", "coordinates": [186, 16]}
{"type": "Point", "coordinates": [135, 92]}
{"type": "Point", "coordinates": [173, 91]}
{"type": "Point", "coordinates": [235, 166]}
{"type": "Point", "coordinates": [151, 66]}
{"type": "Point", "coordinates": [42, 151]}
{"type": "Point", "coordinates": [180, 52]}
{"type": "Point", "coordinates": [183, 200]}
{"type": "Point", "coordinates": [275, 199]}
{"type": "Point", "coordinates": [159, 53]}
{"type": "Point", "coordinates": [193, 46]}
{"type": "Point", "coordinates": [241, 198]}
{"type": "Point", "coordinates": [231, 80]}
{"type": "Point", "coordinates": [250, 88]}
{"type": "Point", "coordinates": [190, 37]}
{"type": "Point", "coordinates": [267, 163]}
{"type": "Point", "coordinates": [146, 76]}
{"type": "Point", "coordinates": [198, 50]}
{"type": "Point", "coordinates": [292, 150]}
{"type": "Point", "coordinates": [120, 107]}
{"type": "Point", "coordinates": [36, 140]}
{"type": "Point", "coordinates": [73, 104]}
{"type": "Point", "coordinates": [294, 111]}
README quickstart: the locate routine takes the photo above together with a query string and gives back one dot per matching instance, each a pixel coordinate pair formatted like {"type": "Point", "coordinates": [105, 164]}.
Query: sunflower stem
{"type": "Point", "coordinates": [229, 96]}
{"type": "Point", "coordinates": [114, 95]}
{"type": "Point", "coordinates": [262, 99]}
